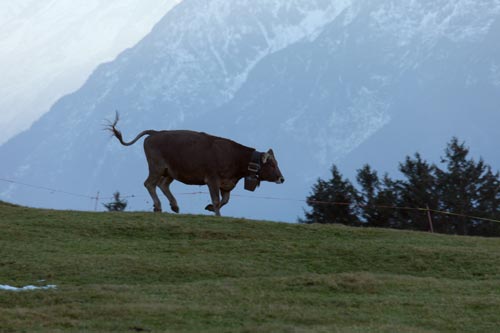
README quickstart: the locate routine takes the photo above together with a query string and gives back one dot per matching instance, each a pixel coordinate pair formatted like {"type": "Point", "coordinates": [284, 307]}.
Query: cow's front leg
{"type": "Point", "coordinates": [225, 197]}
{"type": "Point", "coordinates": [213, 188]}
{"type": "Point", "coordinates": [225, 200]}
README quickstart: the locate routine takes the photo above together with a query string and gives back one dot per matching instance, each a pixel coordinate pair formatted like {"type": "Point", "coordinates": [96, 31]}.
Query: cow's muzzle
{"type": "Point", "coordinates": [280, 180]}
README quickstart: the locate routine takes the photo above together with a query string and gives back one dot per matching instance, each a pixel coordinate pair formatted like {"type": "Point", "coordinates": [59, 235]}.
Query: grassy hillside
{"type": "Point", "coordinates": [144, 272]}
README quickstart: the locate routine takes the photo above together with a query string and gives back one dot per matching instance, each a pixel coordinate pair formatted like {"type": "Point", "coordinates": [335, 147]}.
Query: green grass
{"type": "Point", "coordinates": [145, 272]}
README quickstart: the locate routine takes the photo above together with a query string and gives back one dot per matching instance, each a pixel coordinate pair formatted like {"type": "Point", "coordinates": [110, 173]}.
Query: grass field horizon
{"type": "Point", "coordinates": [145, 272]}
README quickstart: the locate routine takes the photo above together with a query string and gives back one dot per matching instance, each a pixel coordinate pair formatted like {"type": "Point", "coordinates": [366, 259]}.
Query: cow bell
{"type": "Point", "coordinates": [251, 183]}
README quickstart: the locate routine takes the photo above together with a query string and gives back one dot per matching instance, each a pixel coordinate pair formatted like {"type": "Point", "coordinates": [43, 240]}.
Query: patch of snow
{"type": "Point", "coordinates": [461, 20]}
{"type": "Point", "coordinates": [217, 31]}
{"type": "Point", "coordinates": [26, 288]}
{"type": "Point", "coordinates": [367, 114]}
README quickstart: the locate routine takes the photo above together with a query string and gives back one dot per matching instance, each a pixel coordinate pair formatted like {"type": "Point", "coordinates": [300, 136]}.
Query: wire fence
{"type": "Point", "coordinates": [97, 198]}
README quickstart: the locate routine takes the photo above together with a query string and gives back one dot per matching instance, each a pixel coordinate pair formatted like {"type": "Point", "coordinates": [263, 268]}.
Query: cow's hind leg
{"type": "Point", "coordinates": [225, 200]}
{"type": "Point", "coordinates": [150, 184]}
{"type": "Point", "coordinates": [164, 186]}
{"type": "Point", "coordinates": [213, 188]}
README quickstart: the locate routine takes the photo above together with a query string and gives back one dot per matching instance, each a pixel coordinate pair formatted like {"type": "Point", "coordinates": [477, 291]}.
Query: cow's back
{"type": "Point", "coordinates": [191, 157]}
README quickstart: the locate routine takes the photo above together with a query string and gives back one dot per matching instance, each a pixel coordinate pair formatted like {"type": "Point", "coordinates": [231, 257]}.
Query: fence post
{"type": "Point", "coordinates": [96, 201]}
{"type": "Point", "coordinates": [430, 219]}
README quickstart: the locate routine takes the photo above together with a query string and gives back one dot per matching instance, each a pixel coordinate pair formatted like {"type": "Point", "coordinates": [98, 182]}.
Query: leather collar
{"type": "Point", "coordinates": [255, 163]}
{"type": "Point", "coordinates": [252, 179]}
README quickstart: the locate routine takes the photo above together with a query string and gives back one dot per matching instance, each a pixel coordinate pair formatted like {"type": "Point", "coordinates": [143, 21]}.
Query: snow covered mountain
{"type": "Point", "coordinates": [318, 81]}
{"type": "Point", "coordinates": [49, 48]}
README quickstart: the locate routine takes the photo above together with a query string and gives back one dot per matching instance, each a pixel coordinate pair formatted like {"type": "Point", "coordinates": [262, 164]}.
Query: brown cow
{"type": "Point", "coordinates": [197, 158]}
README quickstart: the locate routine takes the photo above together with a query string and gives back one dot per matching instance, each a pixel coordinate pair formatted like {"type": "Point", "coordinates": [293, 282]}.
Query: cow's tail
{"type": "Point", "coordinates": [112, 128]}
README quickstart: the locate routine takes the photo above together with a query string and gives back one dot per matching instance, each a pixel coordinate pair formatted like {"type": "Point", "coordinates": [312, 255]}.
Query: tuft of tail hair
{"type": "Point", "coordinates": [112, 127]}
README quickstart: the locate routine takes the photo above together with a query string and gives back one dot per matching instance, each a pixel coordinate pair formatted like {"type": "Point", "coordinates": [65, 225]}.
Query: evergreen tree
{"type": "Point", "coordinates": [332, 201]}
{"type": "Point", "coordinates": [118, 205]}
{"type": "Point", "coordinates": [417, 190]}
{"type": "Point", "coordinates": [387, 198]}
{"type": "Point", "coordinates": [368, 199]}
{"type": "Point", "coordinates": [488, 206]}
{"type": "Point", "coordinates": [460, 185]}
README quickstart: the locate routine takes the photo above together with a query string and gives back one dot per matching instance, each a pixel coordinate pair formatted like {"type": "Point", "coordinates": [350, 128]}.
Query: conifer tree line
{"type": "Point", "coordinates": [460, 185]}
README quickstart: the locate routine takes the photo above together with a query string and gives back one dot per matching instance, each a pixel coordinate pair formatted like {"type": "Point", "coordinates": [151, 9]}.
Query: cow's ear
{"type": "Point", "coordinates": [265, 157]}
{"type": "Point", "coordinates": [270, 152]}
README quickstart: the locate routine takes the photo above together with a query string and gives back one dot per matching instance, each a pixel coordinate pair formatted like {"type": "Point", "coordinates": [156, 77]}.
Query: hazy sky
{"type": "Point", "coordinates": [49, 47]}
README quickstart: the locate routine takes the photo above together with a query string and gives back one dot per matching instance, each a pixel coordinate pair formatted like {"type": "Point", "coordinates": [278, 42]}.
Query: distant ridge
{"type": "Point", "coordinates": [320, 82]}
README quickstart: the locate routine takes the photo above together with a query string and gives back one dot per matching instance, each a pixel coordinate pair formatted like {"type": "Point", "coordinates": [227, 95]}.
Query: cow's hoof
{"type": "Point", "coordinates": [157, 210]}
{"type": "Point", "coordinates": [175, 209]}
{"type": "Point", "coordinates": [210, 208]}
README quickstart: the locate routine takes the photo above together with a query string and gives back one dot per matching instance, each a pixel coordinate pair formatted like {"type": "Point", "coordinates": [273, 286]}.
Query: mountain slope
{"type": "Point", "coordinates": [350, 82]}
{"type": "Point", "coordinates": [174, 75]}
{"type": "Point", "coordinates": [49, 48]}
{"type": "Point", "coordinates": [454, 92]}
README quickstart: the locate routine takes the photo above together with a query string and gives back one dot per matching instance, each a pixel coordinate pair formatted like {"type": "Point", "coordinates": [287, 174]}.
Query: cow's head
{"type": "Point", "coordinates": [269, 170]}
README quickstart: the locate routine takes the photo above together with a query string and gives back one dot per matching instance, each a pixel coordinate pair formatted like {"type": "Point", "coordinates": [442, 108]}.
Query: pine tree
{"type": "Point", "coordinates": [369, 182]}
{"type": "Point", "coordinates": [488, 206]}
{"type": "Point", "coordinates": [417, 190]}
{"type": "Point", "coordinates": [460, 185]}
{"type": "Point", "coordinates": [387, 198]}
{"type": "Point", "coordinates": [332, 201]}
{"type": "Point", "coordinates": [118, 205]}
